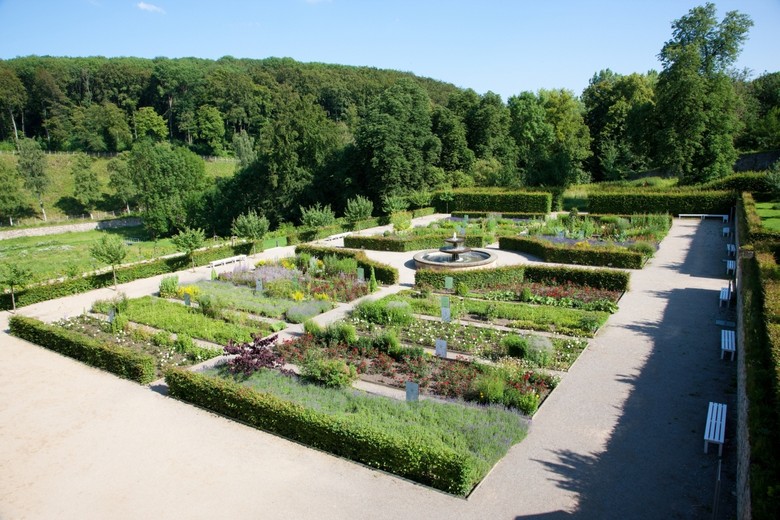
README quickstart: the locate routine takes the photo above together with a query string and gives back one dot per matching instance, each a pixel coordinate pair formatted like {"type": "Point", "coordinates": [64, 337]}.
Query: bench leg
{"type": "Point", "coordinates": [720, 450]}
{"type": "Point", "coordinates": [706, 444]}
{"type": "Point", "coordinates": [732, 354]}
{"type": "Point", "coordinates": [722, 351]}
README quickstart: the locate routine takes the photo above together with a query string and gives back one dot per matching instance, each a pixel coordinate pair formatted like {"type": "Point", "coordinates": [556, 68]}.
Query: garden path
{"type": "Point", "coordinates": [621, 437]}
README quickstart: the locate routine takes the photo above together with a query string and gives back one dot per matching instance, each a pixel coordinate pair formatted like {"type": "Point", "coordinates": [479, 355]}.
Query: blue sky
{"type": "Point", "coordinates": [505, 46]}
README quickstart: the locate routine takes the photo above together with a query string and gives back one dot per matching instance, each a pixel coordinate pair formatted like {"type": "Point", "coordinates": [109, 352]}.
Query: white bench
{"type": "Point", "coordinates": [726, 231]}
{"type": "Point", "coordinates": [228, 260]}
{"type": "Point", "coordinates": [725, 297]}
{"type": "Point", "coordinates": [731, 249]}
{"type": "Point", "coordinates": [728, 343]}
{"type": "Point", "coordinates": [731, 267]}
{"type": "Point", "coordinates": [715, 429]}
{"type": "Point", "coordinates": [702, 216]}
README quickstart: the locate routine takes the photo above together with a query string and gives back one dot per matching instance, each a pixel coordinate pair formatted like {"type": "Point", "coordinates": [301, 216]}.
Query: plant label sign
{"type": "Point", "coordinates": [448, 282]}
{"type": "Point", "coordinates": [111, 315]}
{"type": "Point", "coordinates": [259, 285]}
{"type": "Point", "coordinates": [313, 263]}
{"type": "Point", "coordinates": [445, 314]}
{"type": "Point", "coordinates": [361, 274]}
{"type": "Point", "coordinates": [412, 391]}
{"type": "Point", "coordinates": [187, 300]}
{"type": "Point", "coordinates": [445, 302]}
{"type": "Point", "coordinates": [441, 348]}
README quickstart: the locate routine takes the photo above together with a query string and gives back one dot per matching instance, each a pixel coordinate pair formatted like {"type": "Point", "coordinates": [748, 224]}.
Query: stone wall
{"type": "Point", "coordinates": [69, 228]}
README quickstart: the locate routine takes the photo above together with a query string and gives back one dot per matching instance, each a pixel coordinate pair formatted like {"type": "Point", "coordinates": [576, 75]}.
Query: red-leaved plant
{"type": "Point", "coordinates": [251, 357]}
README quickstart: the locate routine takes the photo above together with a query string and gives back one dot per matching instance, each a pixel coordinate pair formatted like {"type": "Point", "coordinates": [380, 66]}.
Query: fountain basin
{"type": "Point", "coordinates": [438, 260]}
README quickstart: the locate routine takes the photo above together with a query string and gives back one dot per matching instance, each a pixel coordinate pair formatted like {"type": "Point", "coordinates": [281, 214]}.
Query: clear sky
{"type": "Point", "coordinates": [505, 46]}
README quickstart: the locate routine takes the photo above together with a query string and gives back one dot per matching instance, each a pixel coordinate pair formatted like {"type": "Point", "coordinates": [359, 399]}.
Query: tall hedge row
{"type": "Point", "coordinates": [479, 200]}
{"type": "Point", "coordinates": [118, 360]}
{"type": "Point", "coordinates": [403, 244]}
{"type": "Point", "coordinates": [67, 287]}
{"type": "Point", "coordinates": [608, 279]}
{"type": "Point", "coordinates": [384, 273]}
{"type": "Point", "coordinates": [760, 293]}
{"type": "Point", "coordinates": [598, 256]}
{"type": "Point", "coordinates": [717, 202]}
{"type": "Point", "coordinates": [436, 466]}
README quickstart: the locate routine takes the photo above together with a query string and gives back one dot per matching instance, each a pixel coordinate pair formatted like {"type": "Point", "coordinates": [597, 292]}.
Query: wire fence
{"type": "Point", "coordinates": [207, 158]}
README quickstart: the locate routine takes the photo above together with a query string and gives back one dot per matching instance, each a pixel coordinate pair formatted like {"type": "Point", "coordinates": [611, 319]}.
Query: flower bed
{"type": "Point", "coordinates": [177, 318]}
{"type": "Point", "coordinates": [167, 351]}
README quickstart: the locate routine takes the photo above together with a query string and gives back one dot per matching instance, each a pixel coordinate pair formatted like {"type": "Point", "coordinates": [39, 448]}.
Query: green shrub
{"type": "Point", "coordinates": [313, 328]}
{"type": "Point", "coordinates": [643, 248]}
{"type": "Point", "coordinates": [539, 350]}
{"type": "Point", "coordinates": [317, 216]}
{"type": "Point", "coordinates": [333, 265]}
{"type": "Point", "coordinates": [461, 289]}
{"type": "Point", "coordinates": [384, 273]}
{"type": "Point", "coordinates": [515, 345]}
{"type": "Point", "coordinates": [331, 373]}
{"type": "Point", "coordinates": [121, 361]}
{"type": "Point", "coordinates": [489, 388]}
{"type": "Point", "coordinates": [169, 285]}
{"type": "Point", "coordinates": [382, 312]}
{"type": "Point", "coordinates": [358, 208]}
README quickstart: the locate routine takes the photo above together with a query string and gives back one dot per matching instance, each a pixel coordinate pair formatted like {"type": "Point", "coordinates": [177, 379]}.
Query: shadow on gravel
{"type": "Point", "coordinates": [707, 236]}
{"type": "Point", "coordinates": [654, 465]}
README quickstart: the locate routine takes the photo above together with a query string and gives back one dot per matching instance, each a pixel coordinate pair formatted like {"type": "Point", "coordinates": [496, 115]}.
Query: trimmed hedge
{"type": "Point", "coordinates": [505, 214]}
{"type": "Point", "coordinates": [423, 212]}
{"type": "Point", "coordinates": [754, 230]}
{"type": "Point", "coordinates": [548, 252]}
{"type": "Point", "coordinates": [50, 291]}
{"type": "Point", "coordinates": [404, 244]}
{"type": "Point", "coordinates": [496, 201]}
{"type": "Point", "coordinates": [719, 202]}
{"type": "Point", "coordinates": [608, 279]}
{"type": "Point", "coordinates": [384, 273]}
{"type": "Point", "coordinates": [757, 182]}
{"type": "Point", "coordinates": [118, 360]}
{"type": "Point", "coordinates": [438, 467]}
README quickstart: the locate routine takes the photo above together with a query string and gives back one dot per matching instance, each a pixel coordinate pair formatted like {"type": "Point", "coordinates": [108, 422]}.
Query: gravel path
{"type": "Point", "coordinates": [621, 437]}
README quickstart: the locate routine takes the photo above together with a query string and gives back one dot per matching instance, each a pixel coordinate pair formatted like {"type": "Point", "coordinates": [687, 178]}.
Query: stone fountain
{"type": "Point", "coordinates": [454, 255]}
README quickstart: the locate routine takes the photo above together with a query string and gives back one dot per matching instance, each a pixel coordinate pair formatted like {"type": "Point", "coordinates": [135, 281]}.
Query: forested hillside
{"type": "Point", "coordinates": [309, 133]}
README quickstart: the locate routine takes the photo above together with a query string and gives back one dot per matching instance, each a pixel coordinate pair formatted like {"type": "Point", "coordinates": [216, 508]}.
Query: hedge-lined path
{"type": "Point", "coordinates": [621, 437]}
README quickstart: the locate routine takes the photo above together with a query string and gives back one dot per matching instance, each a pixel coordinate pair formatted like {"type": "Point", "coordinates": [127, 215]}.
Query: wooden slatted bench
{"type": "Point", "coordinates": [725, 297]}
{"type": "Point", "coordinates": [728, 343]}
{"type": "Point", "coordinates": [228, 260]}
{"type": "Point", "coordinates": [715, 429]}
{"type": "Point", "coordinates": [731, 267]}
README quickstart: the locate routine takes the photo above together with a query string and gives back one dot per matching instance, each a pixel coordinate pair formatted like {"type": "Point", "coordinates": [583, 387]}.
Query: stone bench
{"type": "Point", "coordinates": [728, 343]}
{"type": "Point", "coordinates": [228, 260]}
{"type": "Point", "coordinates": [715, 429]}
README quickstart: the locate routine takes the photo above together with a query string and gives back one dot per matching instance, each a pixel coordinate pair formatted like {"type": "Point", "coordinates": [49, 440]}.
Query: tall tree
{"type": "Point", "coordinates": [166, 180]}
{"type": "Point", "coordinates": [32, 169]}
{"type": "Point", "coordinates": [188, 240]}
{"type": "Point", "coordinates": [149, 124]}
{"type": "Point", "coordinates": [13, 96]}
{"type": "Point", "coordinates": [86, 187]}
{"type": "Point", "coordinates": [695, 97]}
{"type": "Point", "coordinates": [396, 142]}
{"type": "Point", "coordinates": [12, 198]}
{"type": "Point", "coordinates": [121, 180]}
{"type": "Point", "coordinates": [617, 112]}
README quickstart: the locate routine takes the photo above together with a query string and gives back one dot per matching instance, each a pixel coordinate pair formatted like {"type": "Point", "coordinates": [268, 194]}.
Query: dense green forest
{"type": "Point", "coordinates": [316, 133]}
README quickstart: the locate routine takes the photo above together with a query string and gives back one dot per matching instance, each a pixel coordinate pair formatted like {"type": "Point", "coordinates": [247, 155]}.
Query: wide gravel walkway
{"type": "Point", "coordinates": [621, 437]}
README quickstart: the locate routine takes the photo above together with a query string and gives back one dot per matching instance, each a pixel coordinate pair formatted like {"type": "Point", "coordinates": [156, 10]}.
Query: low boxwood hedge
{"type": "Point", "coordinates": [352, 438]}
{"type": "Point", "coordinates": [118, 360]}
{"type": "Point", "coordinates": [505, 214]}
{"type": "Point", "coordinates": [384, 273]}
{"type": "Point", "coordinates": [67, 287]}
{"type": "Point", "coordinates": [401, 244]}
{"type": "Point", "coordinates": [608, 279]}
{"type": "Point", "coordinates": [548, 252]}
